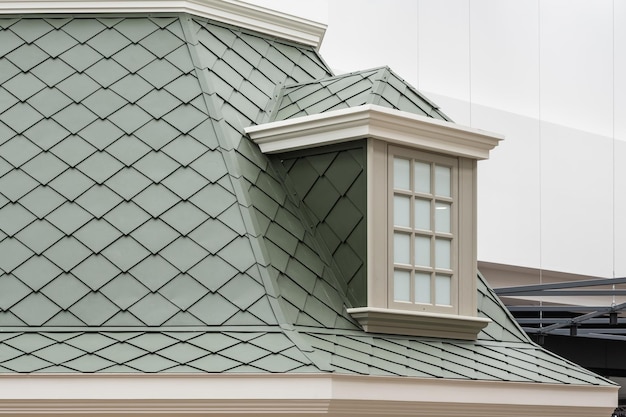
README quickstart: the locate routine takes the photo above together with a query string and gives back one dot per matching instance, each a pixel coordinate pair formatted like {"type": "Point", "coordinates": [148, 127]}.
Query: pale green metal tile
{"type": "Point", "coordinates": [184, 149]}
{"type": "Point", "coordinates": [73, 150]}
{"type": "Point", "coordinates": [16, 184]}
{"type": "Point", "coordinates": [69, 217]}
{"type": "Point", "coordinates": [24, 86]}
{"type": "Point", "coordinates": [161, 43]}
{"type": "Point", "coordinates": [55, 42]}
{"type": "Point", "coordinates": [100, 166]}
{"type": "Point", "coordinates": [95, 271]}
{"type": "Point", "coordinates": [77, 87]}
{"type": "Point", "coordinates": [35, 309]}
{"type": "Point", "coordinates": [184, 253]}
{"type": "Point", "coordinates": [20, 117]}
{"type": "Point", "coordinates": [156, 166]}
{"type": "Point", "coordinates": [27, 57]}
{"type": "Point", "coordinates": [243, 291]}
{"type": "Point", "coordinates": [94, 309]}
{"type": "Point", "coordinates": [26, 363]}
{"type": "Point", "coordinates": [183, 352]}
{"type": "Point", "coordinates": [185, 182]}
{"type": "Point", "coordinates": [132, 87]}
{"type": "Point", "coordinates": [106, 72]}
{"type": "Point", "coordinates": [108, 42]}
{"type": "Point", "coordinates": [121, 353]}
{"type": "Point", "coordinates": [31, 29]}
{"type": "Point", "coordinates": [214, 363]}
{"type": "Point", "coordinates": [39, 235]}
{"type": "Point", "coordinates": [97, 235]}
{"type": "Point", "coordinates": [185, 118]}
{"type": "Point", "coordinates": [125, 253]}
{"type": "Point", "coordinates": [184, 217]}
{"type": "Point", "coordinates": [6, 100]}
{"type": "Point", "coordinates": [98, 200]}
{"type": "Point", "coordinates": [135, 29]}
{"type": "Point", "coordinates": [65, 290]}
{"type": "Point", "coordinates": [74, 117]}
{"type": "Point", "coordinates": [124, 291]}
{"type": "Point", "coordinates": [211, 165]}
{"type": "Point", "coordinates": [156, 199]}
{"type": "Point", "coordinates": [128, 182]}
{"type": "Point", "coordinates": [152, 342]}
{"type": "Point", "coordinates": [158, 103]}
{"type": "Point", "coordinates": [185, 88]}
{"type": "Point", "coordinates": [154, 272]}
{"type": "Point", "coordinates": [156, 134]}
{"type": "Point", "coordinates": [49, 101]}
{"type": "Point", "coordinates": [71, 183]}
{"type": "Point", "coordinates": [212, 272]}
{"type": "Point", "coordinates": [213, 235]}
{"type": "Point", "coordinates": [213, 309]}
{"type": "Point", "coordinates": [238, 253]}
{"type": "Point", "coordinates": [13, 218]}
{"type": "Point", "coordinates": [67, 253]}
{"type": "Point", "coordinates": [50, 71]}
{"type": "Point", "coordinates": [154, 235]}
{"type": "Point", "coordinates": [183, 291]}
{"type": "Point", "coordinates": [89, 342]}
{"type": "Point", "coordinates": [212, 199]}
{"type": "Point", "coordinates": [12, 254]}
{"type": "Point", "coordinates": [128, 150]}
{"type": "Point", "coordinates": [36, 272]}
{"type": "Point", "coordinates": [153, 310]}
{"type": "Point", "coordinates": [12, 290]}
{"type": "Point", "coordinates": [126, 217]}
{"type": "Point", "coordinates": [134, 57]}
{"type": "Point", "coordinates": [46, 133]}
{"type": "Point", "coordinates": [130, 118]}
{"type": "Point", "coordinates": [88, 363]}
{"type": "Point", "coordinates": [83, 29]}
{"type": "Point", "coordinates": [159, 73]}
{"type": "Point", "coordinates": [10, 41]}
{"type": "Point", "coordinates": [104, 102]}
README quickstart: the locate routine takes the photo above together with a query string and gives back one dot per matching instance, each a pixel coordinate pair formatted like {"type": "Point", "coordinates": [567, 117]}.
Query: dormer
{"type": "Point", "coordinates": [390, 183]}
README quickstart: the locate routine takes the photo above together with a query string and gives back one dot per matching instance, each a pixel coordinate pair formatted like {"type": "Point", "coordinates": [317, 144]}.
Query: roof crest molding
{"type": "Point", "coordinates": [232, 12]}
{"type": "Point", "coordinates": [372, 121]}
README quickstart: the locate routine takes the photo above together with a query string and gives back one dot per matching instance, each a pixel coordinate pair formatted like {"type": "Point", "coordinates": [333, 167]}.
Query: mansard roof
{"type": "Point", "coordinates": [142, 232]}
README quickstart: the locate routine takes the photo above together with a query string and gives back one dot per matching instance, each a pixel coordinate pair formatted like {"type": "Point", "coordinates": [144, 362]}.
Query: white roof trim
{"type": "Point", "coordinates": [372, 121]}
{"type": "Point", "coordinates": [333, 395]}
{"type": "Point", "coordinates": [232, 12]}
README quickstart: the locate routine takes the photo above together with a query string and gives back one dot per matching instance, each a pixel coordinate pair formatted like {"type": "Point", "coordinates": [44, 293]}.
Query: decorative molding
{"type": "Point", "coordinates": [405, 322]}
{"type": "Point", "coordinates": [372, 121]}
{"type": "Point", "coordinates": [232, 12]}
{"type": "Point", "coordinates": [294, 394]}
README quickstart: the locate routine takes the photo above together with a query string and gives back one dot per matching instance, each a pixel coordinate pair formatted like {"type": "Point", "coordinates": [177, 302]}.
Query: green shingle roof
{"type": "Point", "coordinates": [140, 231]}
{"type": "Point", "coordinates": [380, 86]}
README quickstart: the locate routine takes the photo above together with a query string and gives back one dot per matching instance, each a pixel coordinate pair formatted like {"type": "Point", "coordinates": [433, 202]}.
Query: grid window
{"type": "Point", "coordinates": [422, 188]}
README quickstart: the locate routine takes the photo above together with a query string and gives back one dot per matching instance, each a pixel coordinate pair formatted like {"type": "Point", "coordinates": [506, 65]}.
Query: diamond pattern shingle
{"type": "Point", "coordinates": [129, 198]}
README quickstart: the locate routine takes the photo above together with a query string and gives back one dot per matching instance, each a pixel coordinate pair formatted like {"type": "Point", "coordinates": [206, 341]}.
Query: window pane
{"type": "Point", "coordinates": [421, 172]}
{"type": "Point", "coordinates": [442, 181]}
{"type": "Point", "coordinates": [422, 251]}
{"type": "Point", "coordinates": [442, 289]}
{"type": "Point", "coordinates": [422, 287]}
{"type": "Point", "coordinates": [401, 248]}
{"type": "Point", "coordinates": [442, 217]}
{"type": "Point", "coordinates": [401, 285]}
{"type": "Point", "coordinates": [401, 175]}
{"type": "Point", "coordinates": [442, 253]}
{"type": "Point", "coordinates": [401, 211]}
{"type": "Point", "coordinates": [422, 214]}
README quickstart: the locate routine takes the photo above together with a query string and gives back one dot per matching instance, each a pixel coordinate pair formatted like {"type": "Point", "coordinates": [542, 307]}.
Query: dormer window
{"type": "Point", "coordinates": [420, 257]}
{"type": "Point", "coordinates": [423, 230]}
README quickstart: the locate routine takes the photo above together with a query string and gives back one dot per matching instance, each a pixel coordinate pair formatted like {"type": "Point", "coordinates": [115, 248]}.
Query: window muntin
{"type": "Point", "coordinates": [423, 236]}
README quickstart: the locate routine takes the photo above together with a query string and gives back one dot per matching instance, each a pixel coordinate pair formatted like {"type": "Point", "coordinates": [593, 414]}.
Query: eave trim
{"type": "Point", "coordinates": [291, 394]}
{"type": "Point", "coordinates": [372, 121]}
{"type": "Point", "coordinates": [232, 12]}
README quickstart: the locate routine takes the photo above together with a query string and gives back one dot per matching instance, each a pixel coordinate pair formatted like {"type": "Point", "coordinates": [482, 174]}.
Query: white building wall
{"type": "Point", "coordinates": [548, 74]}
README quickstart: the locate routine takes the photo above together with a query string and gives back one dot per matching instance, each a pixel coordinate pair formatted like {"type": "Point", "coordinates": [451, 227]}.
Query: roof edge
{"type": "Point", "coordinates": [232, 12]}
{"type": "Point", "coordinates": [372, 121]}
{"type": "Point", "coordinates": [329, 394]}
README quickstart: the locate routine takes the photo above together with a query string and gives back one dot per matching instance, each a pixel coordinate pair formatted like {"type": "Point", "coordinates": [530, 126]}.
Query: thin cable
{"type": "Point", "coordinates": [540, 158]}
{"type": "Point", "coordinates": [469, 55]}
{"type": "Point", "coordinates": [613, 144]}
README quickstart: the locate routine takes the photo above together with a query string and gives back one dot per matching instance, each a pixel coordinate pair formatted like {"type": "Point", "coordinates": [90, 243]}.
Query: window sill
{"type": "Point", "coordinates": [415, 323]}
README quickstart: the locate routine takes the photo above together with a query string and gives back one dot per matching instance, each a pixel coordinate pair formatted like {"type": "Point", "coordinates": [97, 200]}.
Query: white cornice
{"type": "Point", "coordinates": [293, 394]}
{"type": "Point", "coordinates": [233, 12]}
{"type": "Point", "coordinates": [372, 121]}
